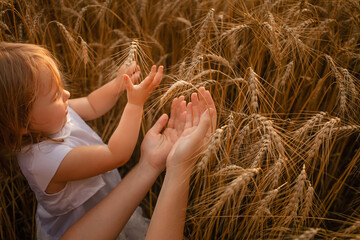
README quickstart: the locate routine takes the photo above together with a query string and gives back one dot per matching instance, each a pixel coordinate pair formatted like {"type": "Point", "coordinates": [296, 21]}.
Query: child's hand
{"type": "Point", "coordinates": [132, 70]}
{"type": "Point", "coordinates": [156, 145]}
{"type": "Point", "coordinates": [138, 94]}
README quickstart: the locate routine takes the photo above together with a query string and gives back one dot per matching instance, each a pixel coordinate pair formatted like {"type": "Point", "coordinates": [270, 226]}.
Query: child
{"type": "Point", "coordinates": [66, 163]}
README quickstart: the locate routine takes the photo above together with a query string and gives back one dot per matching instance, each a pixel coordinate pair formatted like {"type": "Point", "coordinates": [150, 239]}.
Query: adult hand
{"type": "Point", "coordinates": [200, 123]}
{"type": "Point", "coordinates": [156, 145]}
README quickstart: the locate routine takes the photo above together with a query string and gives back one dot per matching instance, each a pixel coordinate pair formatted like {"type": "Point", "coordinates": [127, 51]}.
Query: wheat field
{"type": "Point", "coordinates": [283, 162]}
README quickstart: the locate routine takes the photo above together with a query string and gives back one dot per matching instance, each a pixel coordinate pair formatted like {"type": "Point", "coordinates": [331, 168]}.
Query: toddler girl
{"type": "Point", "coordinates": [66, 163]}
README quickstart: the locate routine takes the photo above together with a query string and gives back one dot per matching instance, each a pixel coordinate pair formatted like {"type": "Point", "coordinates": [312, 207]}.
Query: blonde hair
{"type": "Point", "coordinates": [19, 84]}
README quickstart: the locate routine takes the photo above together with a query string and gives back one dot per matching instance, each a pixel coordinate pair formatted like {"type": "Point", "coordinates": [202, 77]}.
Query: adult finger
{"type": "Point", "coordinates": [189, 122]}
{"type": "Point", "coordinates": [180, 116]}
{"type": "Point", "coordinates": [173, 112]}
{"type": "Point", "coordinates": [195, 108]}
{"type": "Point", "coordinates": [160, 124]}
{"type": "Point", "coordinates": [203, 127]}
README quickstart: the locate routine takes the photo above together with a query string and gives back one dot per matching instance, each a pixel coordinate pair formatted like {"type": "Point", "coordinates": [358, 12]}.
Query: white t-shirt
{"type": "Point", "coordinates": [39, 162]}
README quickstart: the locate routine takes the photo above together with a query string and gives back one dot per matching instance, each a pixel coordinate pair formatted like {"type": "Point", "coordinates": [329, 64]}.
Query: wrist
{"type": "Point", "coordinates": [135, 106]}
{"type": "Point", "coordinates": [153, 168]}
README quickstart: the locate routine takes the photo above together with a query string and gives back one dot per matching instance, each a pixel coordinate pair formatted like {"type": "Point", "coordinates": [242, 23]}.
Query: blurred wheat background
{"type": "Point", "coordinates": [284, 160]}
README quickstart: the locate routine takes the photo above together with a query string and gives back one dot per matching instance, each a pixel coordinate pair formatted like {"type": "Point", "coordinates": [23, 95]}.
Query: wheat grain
{"type": "Point", "coordinates": [265, 143]}
{"type": "Point", "coordinates": [233, 187]}
{"type": "Point", "coordinates": [291, 210]}
{"type": "Point", "coordinates": [236, 29]}
{"type": "Point", "coordinates": [352, 228]}
{"type": "Point", "coordinates": [309, 195]}
{"type": "Point", "coordinates": [175, 87]}
{"type": "Point", "coordinates": [229, 169]}
{"type": "Point", "coordinates": [308, 234]}
{"type": "Point", "coordinates": [219, 59]}
{"type": "Point", "coordinates": [285, 77]}
{"type": "Point", "coordinates": [253, 90]}
{"type": "Point", "coordinates": [264, 205]}
{"type": "Point", "coordinates": [310, 124]}
{"type": "Point", "coordinates": [132, 53]}
{"type": "Point", "coordinates": [68, 37]}
{"type": "Point", "coordinates": [84, 51]}
{"type": "Point", "coordinates": [324, 133]}
{"type": "Point", "coordinates": [240, 139]}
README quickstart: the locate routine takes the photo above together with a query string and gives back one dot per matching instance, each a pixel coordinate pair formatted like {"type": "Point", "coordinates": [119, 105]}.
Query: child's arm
{"type": "Point", "coordinates": [100, 101]}
{"type": "Point", "coordinates": [107, 218]}
{"type": "Point", "coordinates": [87, 161]}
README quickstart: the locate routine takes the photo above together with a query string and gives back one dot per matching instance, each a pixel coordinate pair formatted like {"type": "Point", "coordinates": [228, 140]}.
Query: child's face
{"type": "Point", "coordinates": [49, 111]}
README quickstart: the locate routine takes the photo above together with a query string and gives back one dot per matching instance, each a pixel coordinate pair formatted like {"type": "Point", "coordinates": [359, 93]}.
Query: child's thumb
{"type": "Point", "coordinates": [128, 84]}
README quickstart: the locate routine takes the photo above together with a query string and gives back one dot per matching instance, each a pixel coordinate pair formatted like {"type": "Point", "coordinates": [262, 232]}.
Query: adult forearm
{"type": "Point", "coordinates": [168, 219]}
{"type": "Point", "coordinates": [106, 219]}
{"type": "Point", "coordinates": [123, 140]}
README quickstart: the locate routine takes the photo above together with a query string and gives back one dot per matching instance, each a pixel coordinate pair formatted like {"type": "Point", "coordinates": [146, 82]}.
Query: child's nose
{"type": "Point", "coordinates": [66, 95]}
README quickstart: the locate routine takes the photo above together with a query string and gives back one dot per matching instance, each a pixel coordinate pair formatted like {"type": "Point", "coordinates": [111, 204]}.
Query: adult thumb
{"type": "Point", "coordinates": [204, 124]}
{"type": "Point", "coordinates": [160, 123]}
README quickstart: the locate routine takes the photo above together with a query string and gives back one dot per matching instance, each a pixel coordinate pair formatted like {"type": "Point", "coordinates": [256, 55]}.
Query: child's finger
{"type": "Point", "coordinates": [157, 79]}
{"type": "Point", "coordinates": [147, 81]}
{"type": "Point", "coordinates": [160, 124]}
{"type": "Point", "coordinates": [128, 84]}
{"type": "Point", "coordinates": [135, 77]}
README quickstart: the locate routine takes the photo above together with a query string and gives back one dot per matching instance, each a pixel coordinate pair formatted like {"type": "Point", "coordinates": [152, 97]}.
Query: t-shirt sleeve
{"type": "Point", "coordinates": [46, 161]}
